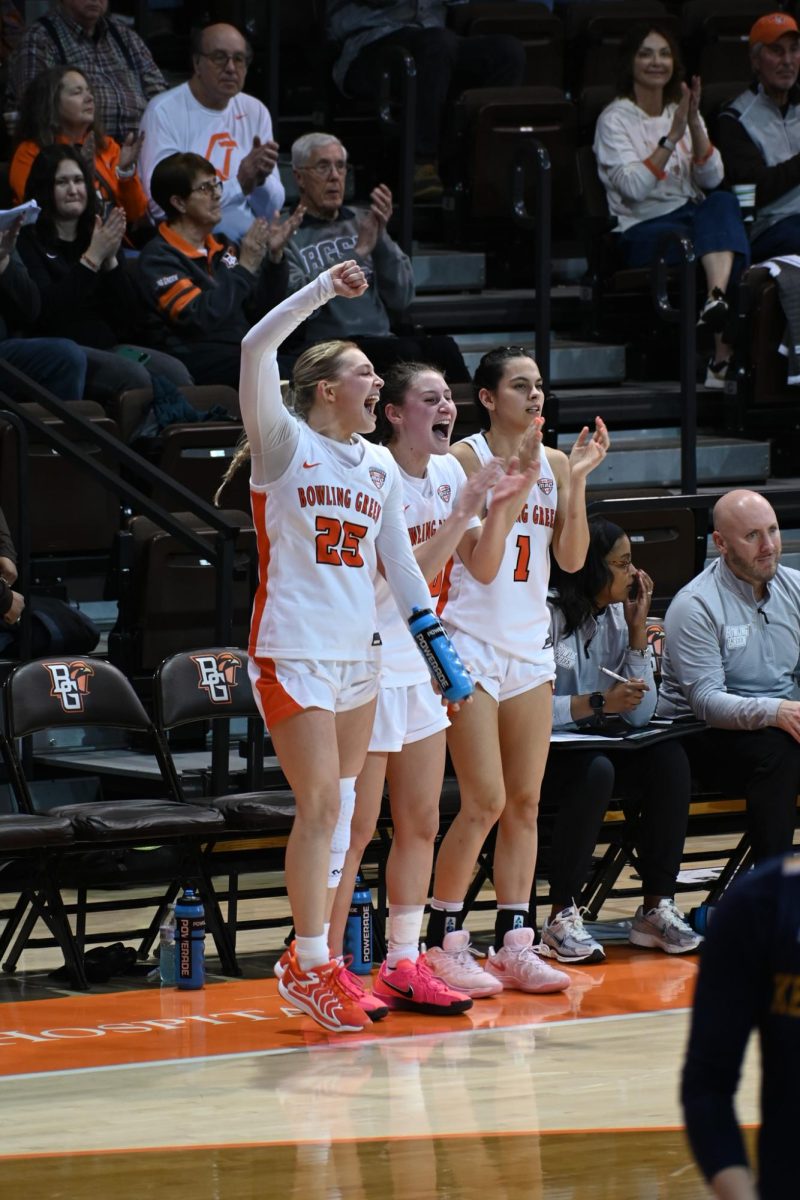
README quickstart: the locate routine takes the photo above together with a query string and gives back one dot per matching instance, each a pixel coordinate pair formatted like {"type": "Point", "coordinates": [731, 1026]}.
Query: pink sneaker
{"type": "Point", "coordinates": [413, 987]}
{"type": "Point", "coordinates": [454, 963]}
{"type": "Point", "coordinates": [519, 965]}
{"type": "Point", "coordinates": [375, 1008]}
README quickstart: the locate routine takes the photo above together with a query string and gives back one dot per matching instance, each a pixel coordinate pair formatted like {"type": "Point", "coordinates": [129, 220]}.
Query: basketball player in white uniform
{"type": "Point", "coordinates": [325, 504]}
{"type": "Point", "coordinates": [408, 737]}
{"type": "Point", "coordinates": [499, 743]}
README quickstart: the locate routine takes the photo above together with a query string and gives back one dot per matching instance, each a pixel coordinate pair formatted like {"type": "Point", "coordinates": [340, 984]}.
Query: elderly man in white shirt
{"type": "Point", "coordinates": [211, 116]}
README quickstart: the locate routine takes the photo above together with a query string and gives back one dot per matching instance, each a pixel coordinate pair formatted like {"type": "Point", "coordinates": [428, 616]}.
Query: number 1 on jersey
{"type": "Point", "coordinates": [523, 568]}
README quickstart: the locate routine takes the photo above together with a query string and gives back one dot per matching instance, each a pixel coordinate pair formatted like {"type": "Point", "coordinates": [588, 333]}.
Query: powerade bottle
{"type": "Point", "coordinates": [166, 948]}
{"type": "Point", "coordinates": [190, 937]}
{"type": "Point", "coordinates": [358, 930]}
{"type": "Point", "coordinates": [441, 656]}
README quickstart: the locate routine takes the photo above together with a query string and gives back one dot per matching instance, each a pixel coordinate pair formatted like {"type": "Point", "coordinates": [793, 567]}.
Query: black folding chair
{"type": "Point", "coordinates": [212, 685]}
{"type": "Point", "coordinates": [63, 693]}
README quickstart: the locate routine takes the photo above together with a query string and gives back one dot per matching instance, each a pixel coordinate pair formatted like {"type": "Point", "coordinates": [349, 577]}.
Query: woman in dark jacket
{"type": "Point", "coordinates": [76, 260]}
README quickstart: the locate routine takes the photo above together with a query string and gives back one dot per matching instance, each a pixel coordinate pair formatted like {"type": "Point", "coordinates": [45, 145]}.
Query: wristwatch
{"type": "Point", "coordinates": [667, 143]}
{"type": "Point", "coordinates": [597, 702]}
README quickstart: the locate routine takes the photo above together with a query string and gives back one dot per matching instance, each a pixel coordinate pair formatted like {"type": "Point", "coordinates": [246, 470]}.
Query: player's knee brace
{"type": "Point", "coordinates": [340, 841]}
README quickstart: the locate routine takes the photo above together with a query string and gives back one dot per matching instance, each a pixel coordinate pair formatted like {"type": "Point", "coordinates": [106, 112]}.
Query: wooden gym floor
{"type": "Point", "coordinates": [227, 1094]}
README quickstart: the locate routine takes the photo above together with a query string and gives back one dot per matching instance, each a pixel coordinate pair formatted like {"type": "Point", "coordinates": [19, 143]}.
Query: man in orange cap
{"type": "Point", "coordinates": [758, 135]}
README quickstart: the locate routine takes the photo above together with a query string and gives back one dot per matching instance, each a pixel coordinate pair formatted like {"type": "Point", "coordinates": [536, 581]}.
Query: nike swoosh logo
{"type": "Point", "coordinates": [49, 255]}
{"type": "Point", "coordinates": [407, 992]}
{"type": "Point", "coordinates": [308, 466]}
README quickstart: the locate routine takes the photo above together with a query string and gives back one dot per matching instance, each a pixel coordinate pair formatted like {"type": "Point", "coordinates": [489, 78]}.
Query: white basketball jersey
{"type": "Point", "coordinates": [427, 502]}
{"type": "Point", "coordinates": [316, 528]}
{"type": "Point", "coordinates": [511, 611]}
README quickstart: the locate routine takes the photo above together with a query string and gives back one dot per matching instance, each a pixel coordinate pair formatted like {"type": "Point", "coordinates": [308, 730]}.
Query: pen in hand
{"type": "Point", "coordinates": [614, 675]}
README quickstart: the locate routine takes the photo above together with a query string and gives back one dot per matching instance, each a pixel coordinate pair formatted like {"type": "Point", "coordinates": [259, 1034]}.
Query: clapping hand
{"type": "Point", "coordinates": [589, 449]}
{"type": "Point", "coordinates": [130, 150]}
{"type": "Point", "coordinates": [257, 164]}
{"type": "Point", "coordinates": [279, 231]}
{"type": "Point", "coordinates": [107, 238]}
{"type": "Point", "coordinates": [372, 224]}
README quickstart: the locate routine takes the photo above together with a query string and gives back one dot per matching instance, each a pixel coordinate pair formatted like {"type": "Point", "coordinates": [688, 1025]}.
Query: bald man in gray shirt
{"type": "Point", "coordinates": [731, 658]}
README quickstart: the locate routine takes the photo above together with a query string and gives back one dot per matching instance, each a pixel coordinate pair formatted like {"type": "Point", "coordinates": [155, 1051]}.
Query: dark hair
{"type": "Point", "coordinates": [41, 188]}
{"type": "Point", "coordinates": [490, 371]}
{"type": "Point", "coordinates": [39, 119]}
{"type": "Point", "coordinates": [576, 592]}
{"type": "Point", "coordinates": [627, 52]}
{"type": "Point", "coordinates": [175, 176]}
{"type": "Point", "coordinates": [396, 382]}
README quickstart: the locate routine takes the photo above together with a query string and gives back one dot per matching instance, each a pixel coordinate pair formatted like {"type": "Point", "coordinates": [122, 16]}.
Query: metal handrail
{"type": "Point", "coordinates": [219, 549]}
{"type": "Point", "coordinates": [684, 316]}
{"type": "Point", "coordinates": [395, 62]}
{"type": "Point", "coordinates": [533, 154]}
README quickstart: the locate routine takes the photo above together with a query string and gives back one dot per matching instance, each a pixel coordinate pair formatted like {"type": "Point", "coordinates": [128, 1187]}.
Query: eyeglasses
{"type": "Point", "coordinates": [220, 59]}
{"type": "Point", "coordinates": [211, 187]}
{"type": "Point", "coordinates": [623, 565]}
{"type": "Point", "coordinates": [324, 167]}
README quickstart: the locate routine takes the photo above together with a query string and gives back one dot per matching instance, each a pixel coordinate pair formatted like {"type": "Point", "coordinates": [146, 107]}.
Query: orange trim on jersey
{"type": "Point", "coordinates": [659, 174]}
{"type": "Point", "coordinates": [210, 246]}
{"type": "Point", "coordinates": [276, 703]}
{"type": "Point", "coordinates": [258, 505]}
{"type": "Point", "coordinates": [445, 588]}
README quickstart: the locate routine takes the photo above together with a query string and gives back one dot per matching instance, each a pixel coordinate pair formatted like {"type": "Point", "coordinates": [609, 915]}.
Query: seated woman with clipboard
{"type": "Point", "coordinates": [605, 685]}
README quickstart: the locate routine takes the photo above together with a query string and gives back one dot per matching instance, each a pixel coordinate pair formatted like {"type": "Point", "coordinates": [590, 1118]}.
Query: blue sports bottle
{"type": "Point", "coordinates": [441, 656]}
{"type": "Point", "coordinates": [358, 930]}
{"type": "Point", "coordinates": [190, 938]}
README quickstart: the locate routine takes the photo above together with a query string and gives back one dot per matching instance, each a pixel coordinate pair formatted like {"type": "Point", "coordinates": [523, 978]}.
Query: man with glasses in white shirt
{"type": "Point", "coordinates": [212, 116]}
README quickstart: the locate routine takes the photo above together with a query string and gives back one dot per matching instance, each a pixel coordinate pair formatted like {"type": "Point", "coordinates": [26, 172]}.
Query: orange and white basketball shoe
{"type": "Point", "coordinates": [321, 995]}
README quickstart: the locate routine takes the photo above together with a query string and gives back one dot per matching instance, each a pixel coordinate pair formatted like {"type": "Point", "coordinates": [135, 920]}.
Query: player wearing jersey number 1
{"type": "Point", "coordinates": [499, 743]}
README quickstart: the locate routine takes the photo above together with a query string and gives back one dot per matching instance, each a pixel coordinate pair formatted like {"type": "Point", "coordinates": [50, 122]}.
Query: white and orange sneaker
{"type": "Point", "coordinates": [355, 989]}
{"type": "Point", "coordinates": [454, 963]}
{"type": "Point", "coordinates": [283, 961]}
{"type": "Point", "coordinates": [519, 965]}
{"type": "Point", "coordinates": [412, 987]}
{"type": "Point", "coordinates": [321, 994]}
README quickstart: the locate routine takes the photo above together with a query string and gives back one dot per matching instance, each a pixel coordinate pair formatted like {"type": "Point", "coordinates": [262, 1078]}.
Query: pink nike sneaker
{"type": "Point", "coordinates": [519, 965]}
{"type": "Point", "coordinates": [413, 987]}
{"type": "Point", "coordinates": [375, 1007]}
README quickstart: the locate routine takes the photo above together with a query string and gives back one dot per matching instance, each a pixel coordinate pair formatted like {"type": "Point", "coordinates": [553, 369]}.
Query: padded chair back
{"type": "Point", "coordinates": [667, 543]}
{"type": "Point", "coordinates": [203, 685]}
{"type": "Point", "coordinates": [495, 124]}
{"type": "Point", "coordinates": [541, 34]}
{"type": "Point", "coordinates": [69, 511]}
{"type": "Point", "coordinates": [130, 407]}
{"type": "Point", "coordinates": [172, 604]}
{"type": "Point", "coordinates": [49, 693]}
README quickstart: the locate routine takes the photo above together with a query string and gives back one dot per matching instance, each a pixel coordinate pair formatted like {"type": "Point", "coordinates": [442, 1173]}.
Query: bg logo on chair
{"type": "Point", "coordinates": [217, 674]}
{"type": "Point", "coordinates": [70, 682]}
